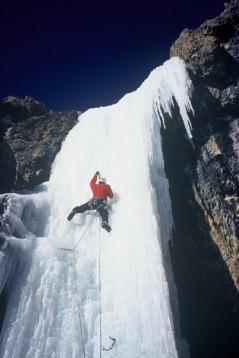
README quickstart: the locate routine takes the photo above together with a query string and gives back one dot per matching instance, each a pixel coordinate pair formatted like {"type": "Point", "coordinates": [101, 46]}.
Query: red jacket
{"type": "Point", "coordinates": [101, 190]}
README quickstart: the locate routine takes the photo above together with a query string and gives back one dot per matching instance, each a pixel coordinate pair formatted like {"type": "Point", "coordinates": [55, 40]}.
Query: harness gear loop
{"type": "Point", "coordinates": [112, 345]}
{"type": "Point", "coordinates": [96, 203]}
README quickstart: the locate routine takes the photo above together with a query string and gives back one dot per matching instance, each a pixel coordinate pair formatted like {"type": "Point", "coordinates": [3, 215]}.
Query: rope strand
{"type": "Point", "coordinates": [78, 295]}
{"type": "Point", "coordinates": [85, 230]}
{"type": "Point", "coordinates": [78, 304]}
{"type": "Point", "coordinates": [72, 251]}
{"type": "Point", "coordinates": [100, 295]}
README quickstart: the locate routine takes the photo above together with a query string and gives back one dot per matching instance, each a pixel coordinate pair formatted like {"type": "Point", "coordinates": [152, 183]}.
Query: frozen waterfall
{"type": "Point", "coordinates": [120, 276]}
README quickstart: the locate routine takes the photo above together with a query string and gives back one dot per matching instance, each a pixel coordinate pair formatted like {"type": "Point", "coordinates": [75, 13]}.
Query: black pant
{"type": "Point", "coordinates": [94, 204]}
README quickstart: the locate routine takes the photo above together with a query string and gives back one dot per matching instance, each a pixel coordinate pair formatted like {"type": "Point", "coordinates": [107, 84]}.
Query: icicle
{"type": "Point", "coordinates": [175, 84]}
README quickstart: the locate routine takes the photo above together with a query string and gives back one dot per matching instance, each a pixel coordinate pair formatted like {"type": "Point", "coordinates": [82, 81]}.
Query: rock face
{"type": "Point", "coordinates": [30, 137]}
{"type": "Point", "coordinates": [204, 188]}
{"type": "Point", "coordinates": [211, 53]}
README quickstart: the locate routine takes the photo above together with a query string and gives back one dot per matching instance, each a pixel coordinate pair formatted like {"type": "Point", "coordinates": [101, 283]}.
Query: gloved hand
{"type": "Point", "coordinates": [97, 173]}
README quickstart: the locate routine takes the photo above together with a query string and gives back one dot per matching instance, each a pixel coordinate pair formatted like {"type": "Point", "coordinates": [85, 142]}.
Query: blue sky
{"type": "Point", "coordinates": [79, 54]}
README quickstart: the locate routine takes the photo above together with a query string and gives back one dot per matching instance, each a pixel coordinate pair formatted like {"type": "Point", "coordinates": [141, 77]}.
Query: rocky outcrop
{"type": "Point", "coordinates": [211, 54]}
{"type": "Point", "coordinates": [204, 188]}
{"type": "Point", "coordinates": [14, 109]}
{"type": "Point", "coordinates": [31, 136]}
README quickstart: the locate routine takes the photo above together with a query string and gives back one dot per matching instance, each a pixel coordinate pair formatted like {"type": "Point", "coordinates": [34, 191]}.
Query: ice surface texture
{"type": "Point", "coordinates": [121, 278]}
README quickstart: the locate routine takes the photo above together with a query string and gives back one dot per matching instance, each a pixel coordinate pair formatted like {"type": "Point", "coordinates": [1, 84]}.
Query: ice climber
{"type": "Point", "coordinates": [101, 192]}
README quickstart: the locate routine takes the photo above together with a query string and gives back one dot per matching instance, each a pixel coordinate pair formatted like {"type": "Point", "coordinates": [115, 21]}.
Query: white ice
{"type": "Point", "coordinates": [120, 276]}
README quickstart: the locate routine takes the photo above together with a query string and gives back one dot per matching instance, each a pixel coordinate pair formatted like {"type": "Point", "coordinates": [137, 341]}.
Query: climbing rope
{"type": "Point", "coordinates": [78, 304]}
{"type": "Point", "coordinates": [100, 308]}
{"type": "Point", "coordinates": [78, 295]}
{"type": "Point", "coordinates": [76, 285]}
{"type": "Point", "coordinates": [73, 250]}
{"type": "Point", "coordinates": [86, 229]}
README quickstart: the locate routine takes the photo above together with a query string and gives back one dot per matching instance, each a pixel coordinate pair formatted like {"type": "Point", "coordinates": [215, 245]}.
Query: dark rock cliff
{"type": "Point", "coordinates": [30, 137]}
{"type": "Point", "coordinates": [204, 188]}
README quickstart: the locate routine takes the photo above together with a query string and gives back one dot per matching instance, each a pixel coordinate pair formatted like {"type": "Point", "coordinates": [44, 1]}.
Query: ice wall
{"type": "Point", "coordinates": [120, 277]}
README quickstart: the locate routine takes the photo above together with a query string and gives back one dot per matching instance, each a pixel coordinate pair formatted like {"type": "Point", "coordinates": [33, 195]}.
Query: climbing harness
{"type": "Point", "coordinates": [96, 203]}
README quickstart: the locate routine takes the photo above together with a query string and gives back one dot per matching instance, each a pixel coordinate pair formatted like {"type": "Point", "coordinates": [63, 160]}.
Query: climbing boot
{"type": "Point", "coordinates": [106, 226]}
{"type": "Point", "coordinates": [71, 215]}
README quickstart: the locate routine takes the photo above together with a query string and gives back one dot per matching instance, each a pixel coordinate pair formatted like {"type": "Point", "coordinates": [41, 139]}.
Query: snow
{"type": "Point", "coordinates": [120, 276]}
